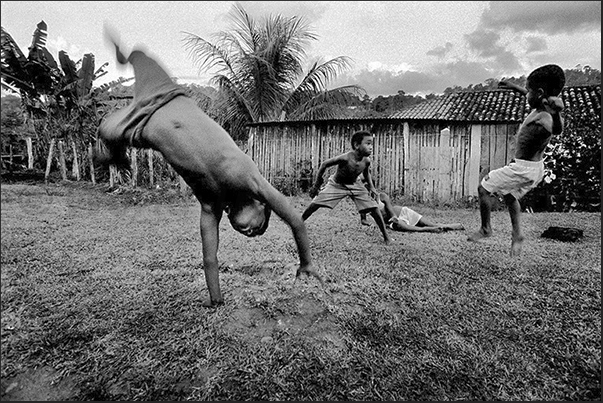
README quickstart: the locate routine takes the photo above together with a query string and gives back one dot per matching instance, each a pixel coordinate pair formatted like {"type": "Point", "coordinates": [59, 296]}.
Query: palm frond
{"type": "Point", "coordinates": [205, 54]}
{"type": "Point", "coordinates": [325, 104]}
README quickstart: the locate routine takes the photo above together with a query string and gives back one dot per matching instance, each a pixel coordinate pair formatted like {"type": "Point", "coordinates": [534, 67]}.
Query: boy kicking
{"type": "Point", "coordinates": [526, 171]}
{"type": "Point", "coordinates": [345, 182]}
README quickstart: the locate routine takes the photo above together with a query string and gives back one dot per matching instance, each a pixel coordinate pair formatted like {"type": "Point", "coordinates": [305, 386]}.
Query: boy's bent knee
{"type": "Point", "coordinates": [509, 199]}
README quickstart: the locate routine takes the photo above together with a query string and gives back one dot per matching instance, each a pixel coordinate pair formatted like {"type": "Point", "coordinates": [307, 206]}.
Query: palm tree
{"type": "Point", "coordinates": [260, 74]}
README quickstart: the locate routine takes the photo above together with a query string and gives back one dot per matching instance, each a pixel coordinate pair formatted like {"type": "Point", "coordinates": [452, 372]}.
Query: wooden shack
{"type": "Point", "coordinates": [434, 151]}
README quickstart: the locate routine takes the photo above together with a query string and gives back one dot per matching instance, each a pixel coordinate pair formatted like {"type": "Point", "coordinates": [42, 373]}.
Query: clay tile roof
{"type": "Point", "coordinates": [500, 106]}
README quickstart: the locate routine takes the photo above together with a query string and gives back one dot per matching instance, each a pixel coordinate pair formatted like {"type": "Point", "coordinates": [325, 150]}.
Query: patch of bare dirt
{"type": "Point", "coordinates": [305, 317]}
{"type": "Point", "coordinates": [40, 384]}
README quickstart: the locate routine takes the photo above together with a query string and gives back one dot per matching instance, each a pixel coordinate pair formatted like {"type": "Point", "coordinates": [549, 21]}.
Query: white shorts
{"type": "Point", "coordinates": [409, 216]}
{"type": "Point", "coordinates": [517, 178]}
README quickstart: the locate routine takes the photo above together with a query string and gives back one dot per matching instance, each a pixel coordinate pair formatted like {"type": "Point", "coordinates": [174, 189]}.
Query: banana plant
{"type": "Point", "coordinates": [55, 96]}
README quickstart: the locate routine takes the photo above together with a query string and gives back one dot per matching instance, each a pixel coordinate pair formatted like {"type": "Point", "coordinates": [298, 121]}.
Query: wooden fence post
{"type": "Point", "coordinates": [150, 157]}
{"type": "Point", "coordinates": [49, 160]}
{"type": "Point", "coordinates": [30, 158]}
{"type": "Point", "coordinates": [90, 157]}
{"type": "Point", "coordinates": [62, 161]}
{"type": "Point", "coordinates": [134, 158]}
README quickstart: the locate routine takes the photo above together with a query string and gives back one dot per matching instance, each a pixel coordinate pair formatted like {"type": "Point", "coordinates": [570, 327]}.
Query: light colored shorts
{"type": "Point", "coordinates": [409, 216]}
{"type": "Point", "coordinates": [517, 178]}
{"type": "Point", "coordinates": [332, 193]}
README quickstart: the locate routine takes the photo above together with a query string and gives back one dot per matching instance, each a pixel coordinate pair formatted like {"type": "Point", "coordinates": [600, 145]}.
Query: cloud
{"type": "Point", "coordinates": [535, 44]}
{"type": "Point", "coordinates": [547, 17]}
{"type": "Point", "coordinates": [486, 44]}
{"type": "Point", "coordinates": [441, 51]}
{"type": "Point", "coordinates": [60, 43]}
{"type": "Point", "coordinates": [435, 80]}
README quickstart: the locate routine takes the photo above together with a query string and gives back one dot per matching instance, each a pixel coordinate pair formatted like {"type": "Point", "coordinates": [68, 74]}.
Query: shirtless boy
{"type": "Point", "coordinates": [345, 182]}
{"type": "Point", "coordinates": [526, 171]}
{"type": "Point", "coordinates": [221, 176]}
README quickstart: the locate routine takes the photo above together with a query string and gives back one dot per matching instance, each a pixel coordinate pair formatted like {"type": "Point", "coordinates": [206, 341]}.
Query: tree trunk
{"type": "Point", "coordinates": [112, 176]}
{"type": "Point", "coordinates": [49, 160]}
{"type": "Point", "coordinates": [75, 171]}
{"type": "Point", "coordinates": [90, 157]}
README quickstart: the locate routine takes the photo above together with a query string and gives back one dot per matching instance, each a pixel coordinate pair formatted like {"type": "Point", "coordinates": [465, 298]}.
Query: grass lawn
{"type": "Point", "coordinates": [101, 300]}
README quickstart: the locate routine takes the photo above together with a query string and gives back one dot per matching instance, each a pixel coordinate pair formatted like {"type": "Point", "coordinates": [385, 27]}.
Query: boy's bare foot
{"type": "Point", "coordinates": [479, 234]}
{"type": "Point", "coordinates": [516, 244]}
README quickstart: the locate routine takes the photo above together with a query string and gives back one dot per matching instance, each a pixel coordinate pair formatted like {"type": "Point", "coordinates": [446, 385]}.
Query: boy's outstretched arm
{"type": "Point", "coordinates": [507, 85]}
{"type": "Point", "coordinates": [280, 205]}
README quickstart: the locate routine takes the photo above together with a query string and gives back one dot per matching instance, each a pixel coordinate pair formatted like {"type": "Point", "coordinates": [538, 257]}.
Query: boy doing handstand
{"type": "Point", "coordinates": [222, 177]}
{"type": "Point", "coordinates": [526, 171]}
{"type": "Point", "coordinates": [345, 182]}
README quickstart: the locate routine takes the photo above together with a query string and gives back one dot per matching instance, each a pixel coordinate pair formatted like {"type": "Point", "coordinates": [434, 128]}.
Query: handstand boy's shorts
{"type": "Point", "coordinates": [153, 89]}
{"type": "Point", "coordinates": [334, 192]}
{"type": "Point", "coordinates": [516, 178]}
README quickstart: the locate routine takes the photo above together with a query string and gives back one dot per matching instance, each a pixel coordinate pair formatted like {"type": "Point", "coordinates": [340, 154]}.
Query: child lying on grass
{"type": "Point", "coordinates": [402, 218]}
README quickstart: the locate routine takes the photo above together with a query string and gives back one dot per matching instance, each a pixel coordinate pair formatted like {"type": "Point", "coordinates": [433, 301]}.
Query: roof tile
{"type": "Point", "coordinates": [500, 105]}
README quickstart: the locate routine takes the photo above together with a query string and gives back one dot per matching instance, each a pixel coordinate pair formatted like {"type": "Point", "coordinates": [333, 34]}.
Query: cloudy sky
{"type": "Point", "coordinates": [418, 47]}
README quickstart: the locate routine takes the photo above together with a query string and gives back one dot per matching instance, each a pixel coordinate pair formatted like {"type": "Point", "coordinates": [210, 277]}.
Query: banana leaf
{"type": "Point", "coordinates": [68, 67]}
{"type": "Point", "coordinates": [86, 75]}
{"type": "Point", "coordinates": [39, 37]}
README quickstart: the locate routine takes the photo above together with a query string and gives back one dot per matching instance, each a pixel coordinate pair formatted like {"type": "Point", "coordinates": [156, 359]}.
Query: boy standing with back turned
{"type": "Point", "coordinates": [526, 171]}
{"type": "Point", "coordinates": [345, 182]}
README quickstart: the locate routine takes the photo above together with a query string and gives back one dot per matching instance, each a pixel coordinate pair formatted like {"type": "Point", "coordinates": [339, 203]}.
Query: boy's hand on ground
{"type": "Point", "coordinates": [309, 271]}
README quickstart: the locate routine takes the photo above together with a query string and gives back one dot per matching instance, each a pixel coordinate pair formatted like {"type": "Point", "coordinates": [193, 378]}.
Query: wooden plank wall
{"type": "Point", "coordinates": [428, 164]}
{"type": "Point", "coordinates": [497, 146]}
{"type": "Point", "coordinates": [437, 162]}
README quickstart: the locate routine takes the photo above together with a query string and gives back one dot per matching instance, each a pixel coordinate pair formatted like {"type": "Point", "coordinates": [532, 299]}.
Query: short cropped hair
{"type": "Point", "coordinates": [358, 136]}
{"type": "Point", "coordinates": [550, 78]}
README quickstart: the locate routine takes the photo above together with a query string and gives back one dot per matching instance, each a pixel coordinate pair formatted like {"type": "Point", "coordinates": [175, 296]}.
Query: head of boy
{"type": "Point", "coordinates": [249, 216]}
{"type": "Point", "coordinates": [546, 81]}
{"type": "Point", "coordinates": [362, 142]}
